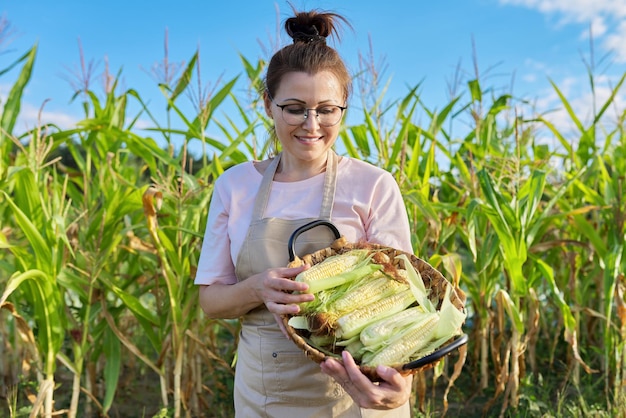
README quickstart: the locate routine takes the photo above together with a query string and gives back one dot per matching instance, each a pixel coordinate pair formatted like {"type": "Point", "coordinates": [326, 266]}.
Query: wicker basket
{"type": "Point", "coordinates": [432, 278]}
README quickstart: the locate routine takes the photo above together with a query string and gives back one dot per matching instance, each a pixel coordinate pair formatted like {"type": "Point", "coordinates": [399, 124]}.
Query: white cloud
{"type": "Point", "coordinates": [575, 10]}
{"type": "Point", "coordinates": [532, 70]}
{"type": "Point", "coordinates": [31, 116]}
{"type": "Point", "coordinates": [606, 18]}
{"type": "Point", "coordinates": [143, 124]}
{"type": "Point", "coordinates": [598, 28]}
{"type": "Point", "coordinates": [584, 104]}
{"type": "Point", "coordinates": [615, 42]}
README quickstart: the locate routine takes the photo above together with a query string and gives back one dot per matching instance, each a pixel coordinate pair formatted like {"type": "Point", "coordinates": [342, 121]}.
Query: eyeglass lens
{"type": "Point", "coordinates": [326, 115]}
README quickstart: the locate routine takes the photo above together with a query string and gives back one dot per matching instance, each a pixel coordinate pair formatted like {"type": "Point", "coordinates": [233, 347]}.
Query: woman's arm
{"type": "Point", "coordinates": [273, 288]}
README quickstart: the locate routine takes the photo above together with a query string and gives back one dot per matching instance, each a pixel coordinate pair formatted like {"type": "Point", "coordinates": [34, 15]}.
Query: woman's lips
{"type": "Point", "coordinates": [308, 138]}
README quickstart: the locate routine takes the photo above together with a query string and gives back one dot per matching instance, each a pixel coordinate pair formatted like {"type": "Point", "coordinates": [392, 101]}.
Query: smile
{"type": "Point", "coordinates": [309, 139]}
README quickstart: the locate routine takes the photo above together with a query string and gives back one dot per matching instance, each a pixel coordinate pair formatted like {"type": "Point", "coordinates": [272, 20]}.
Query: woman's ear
{"type": "Point", "coordinates": [268, 104]}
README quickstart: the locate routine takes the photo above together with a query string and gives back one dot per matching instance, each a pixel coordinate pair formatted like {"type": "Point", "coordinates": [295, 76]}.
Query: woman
{"type": "Point", "coordinates": [255, 208]}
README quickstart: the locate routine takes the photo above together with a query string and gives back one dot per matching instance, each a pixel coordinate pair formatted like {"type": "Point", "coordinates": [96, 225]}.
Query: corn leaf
{"type": "Point", "coordinates": [12, 105]}
{"type": "Point", "coordinates": [113, 353]}
{"type": "Point", "coordinates": [41, 249]}
{"type": "Point", "coordinates": [514, 314]}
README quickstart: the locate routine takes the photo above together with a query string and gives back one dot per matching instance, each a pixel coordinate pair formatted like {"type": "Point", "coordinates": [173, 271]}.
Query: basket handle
{"type": "Point", "coordinates": [445, 350]}
{"type": "Point", "coordinates": [319, 222]}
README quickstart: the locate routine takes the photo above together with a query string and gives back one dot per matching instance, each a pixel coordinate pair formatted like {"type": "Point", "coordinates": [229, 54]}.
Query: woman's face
{"type": "Point", "coordinates": [307, 141]}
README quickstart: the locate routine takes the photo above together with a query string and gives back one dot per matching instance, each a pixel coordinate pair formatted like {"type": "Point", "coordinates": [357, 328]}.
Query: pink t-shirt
{"type": "Point", "coordinates": [368, 206]}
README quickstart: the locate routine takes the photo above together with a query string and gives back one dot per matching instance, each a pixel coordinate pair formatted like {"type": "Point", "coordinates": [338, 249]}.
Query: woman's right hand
{"type": "Point", "coordinates": [279, 292]}
{"type": "Point", "coordinates": [275, 288]}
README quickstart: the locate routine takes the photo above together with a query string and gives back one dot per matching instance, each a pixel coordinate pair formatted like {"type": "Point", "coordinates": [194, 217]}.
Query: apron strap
{"type": "Point", "coordinates": [330, 182]}
{"type": "Point", "coordinates": [328, 198]}
{"type": "Point", "coordinates": [262, 197]}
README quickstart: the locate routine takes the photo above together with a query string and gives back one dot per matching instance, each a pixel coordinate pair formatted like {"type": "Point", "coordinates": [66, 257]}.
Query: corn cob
{"type": "Point", "coordinates": [367, 293]}
{"type": "Point", "coordinates": [380, 331]}
{"type": "Point", "coordinates": [401, 347]}
{"type": "Point", "coordinates": [332, 266]}
{"type": "Point", "coordinates": [352, 323]}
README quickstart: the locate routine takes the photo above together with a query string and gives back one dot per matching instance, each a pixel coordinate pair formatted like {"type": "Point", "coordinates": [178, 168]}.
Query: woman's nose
{"type": "Point", "coordinates": [310, 119]}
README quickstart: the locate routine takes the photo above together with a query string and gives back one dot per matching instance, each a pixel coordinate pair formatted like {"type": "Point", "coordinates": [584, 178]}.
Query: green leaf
{"type": "Point", "coordinates": [532, 193]}
{"type": "Point", "coordinates": [475, 90]}
{"type": "Point", "coordinates": [45, 297]}
{"type": "Point", "coordinates": [613, 268]}
{"type": "Point", "coordinates": [441, 117]}
{"type": "Point", "coordinates": [610, 101]}
{"type": "Point", "coordinates": [13, 102]}
{"type": "Point", "coordinates": [412, 169]}
{"type": "Point", "coordinates": [184, 79]}
{"type": "Point", "coordinates": [507, 226]}
{"type": "Point", "coordinates": [112, 367]}
{"type": "Point", "coordinates": [592, 234]}
{"type": "Point", "coordinates": [400, 139]}
{"type": "Point", "coordinates": [41, 248]}
{"type": "Point", "coordinates": [512, 310]}
{"type": "Point", "coordinates": [135, 305]}
{"type": "Point", "coordinates": [372, 128]}
{"type": "Point", "coordinates": [566, 312]}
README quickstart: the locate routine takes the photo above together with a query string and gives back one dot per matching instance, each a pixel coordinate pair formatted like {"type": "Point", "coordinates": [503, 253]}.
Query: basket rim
{"type": "Point", "coordinates": [340, 246]}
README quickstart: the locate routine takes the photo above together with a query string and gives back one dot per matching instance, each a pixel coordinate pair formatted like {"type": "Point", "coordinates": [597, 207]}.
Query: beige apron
{"type": "Point", "coordinates": [273, 377]}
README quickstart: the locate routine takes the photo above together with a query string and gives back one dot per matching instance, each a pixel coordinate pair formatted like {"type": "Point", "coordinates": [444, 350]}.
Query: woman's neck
{"type": "Point", "coordinates": [291, 169]}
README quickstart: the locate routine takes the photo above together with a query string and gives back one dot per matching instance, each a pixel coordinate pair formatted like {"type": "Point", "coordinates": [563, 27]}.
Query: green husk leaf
{"type": "Point", "coordinates": [298, 322]}
{"type": "Point", "coordinates": [417, 285]}
{"type": "Point", "coordinates": [379, 332]}
{"type": "Point", "coordinates": [451, 318]}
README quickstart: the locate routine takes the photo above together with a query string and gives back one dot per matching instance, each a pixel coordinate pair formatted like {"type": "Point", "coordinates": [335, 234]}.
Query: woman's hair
{"type": "Point", "coordinates": [309, 53]}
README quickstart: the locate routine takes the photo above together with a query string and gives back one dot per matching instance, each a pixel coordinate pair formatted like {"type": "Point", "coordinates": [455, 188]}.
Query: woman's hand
{"type": "Point", "coordinates": [393, 392]}
{"type": "Point", "coordinates": [274, 288]}
{"type": "Point", "coordinates": [280, 293]}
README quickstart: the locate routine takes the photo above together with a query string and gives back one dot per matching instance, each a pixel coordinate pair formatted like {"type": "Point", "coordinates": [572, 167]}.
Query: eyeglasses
{"type": "Point", "coordinates": [295, 114]}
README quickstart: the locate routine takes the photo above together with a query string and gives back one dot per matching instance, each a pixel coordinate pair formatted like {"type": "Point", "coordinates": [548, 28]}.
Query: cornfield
{"type": "Point", "coordinates": [101, 225]}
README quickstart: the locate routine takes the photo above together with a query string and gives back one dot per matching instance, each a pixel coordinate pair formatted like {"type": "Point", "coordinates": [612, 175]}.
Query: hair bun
{"type": "Point", "coordinates": [306, 33]}
{"type": "Point", "coordinates": [313, 26]}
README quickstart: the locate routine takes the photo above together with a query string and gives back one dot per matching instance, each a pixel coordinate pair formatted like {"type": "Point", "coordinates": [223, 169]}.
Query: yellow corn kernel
{"type": "Point", "coordinates": [352, 323]}
{"type": "Point", "coordinates": [367, 293]}
{"type": "Point", "coordinates": [330, 267]}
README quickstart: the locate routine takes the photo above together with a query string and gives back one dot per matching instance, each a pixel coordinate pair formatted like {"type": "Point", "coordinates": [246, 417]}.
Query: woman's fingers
{"type": "Point", "coordinates": [282, 294]}
{"type": "Point", "coordinates": [392, 392]}
{"type": "Point", "coordinates": [281, 325]}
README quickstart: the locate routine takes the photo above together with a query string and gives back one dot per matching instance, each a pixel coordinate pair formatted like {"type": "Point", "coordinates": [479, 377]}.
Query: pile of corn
{"type": "Point", "coordinates": [376, 308]}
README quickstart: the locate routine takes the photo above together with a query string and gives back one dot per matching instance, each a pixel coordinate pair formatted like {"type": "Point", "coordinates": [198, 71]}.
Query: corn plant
{"type": "Point", "coordinates": [101, 229]}
{"type": "Point", "coordinates": [596, 211]}
{"type": "Point", "coordinates": [42, 219]}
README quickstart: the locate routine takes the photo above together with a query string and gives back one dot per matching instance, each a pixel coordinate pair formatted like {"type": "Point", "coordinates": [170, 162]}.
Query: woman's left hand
{"type": "Point", "coordinates": [392, 392]}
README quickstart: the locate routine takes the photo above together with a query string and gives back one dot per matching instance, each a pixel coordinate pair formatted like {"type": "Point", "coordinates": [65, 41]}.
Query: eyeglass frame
{"type": "Point", "coordinates": [306, 112]}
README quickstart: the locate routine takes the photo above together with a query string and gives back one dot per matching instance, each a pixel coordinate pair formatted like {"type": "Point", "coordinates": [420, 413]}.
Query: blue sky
{"type": "Point", "coordinates": [518, 45]}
